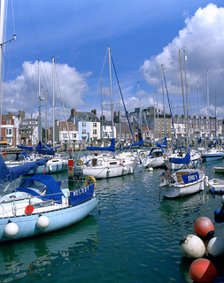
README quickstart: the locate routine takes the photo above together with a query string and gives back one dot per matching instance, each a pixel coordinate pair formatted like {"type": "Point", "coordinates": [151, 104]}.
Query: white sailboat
{"type": "Point", "coordinates": [39, 204]}
{"type": "Point", "coordinates": [106, 166]}
{"type": "Point", "coordinates": [182, 183]}
{"type": "Point", "coordinates": [155, 159]}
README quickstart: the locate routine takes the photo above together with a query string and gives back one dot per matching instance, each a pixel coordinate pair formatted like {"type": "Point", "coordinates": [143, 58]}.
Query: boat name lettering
{"type": "Point", "coordinates": [80, 191]}
{"type": "Point", "coordinates": [192, 178]}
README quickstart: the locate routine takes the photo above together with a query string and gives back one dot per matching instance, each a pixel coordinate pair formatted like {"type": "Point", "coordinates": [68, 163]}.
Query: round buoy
{"type": "Point", "coordinates": [204, 227]}
{"type": "Point", "coordinates": [42, 222]}
{"type": "Point", "coordinates": [219, 215]}
{"type": "Point", "coordinates": [150, 169]}
{"type": "Point", "coordinates": [192, 246]}
{"type": "Point", "coordinates": [202, 270]}
{"type": "Point", "coordinates": [215, 246]}
{"type": "Point", "coordinates": [11, 229]}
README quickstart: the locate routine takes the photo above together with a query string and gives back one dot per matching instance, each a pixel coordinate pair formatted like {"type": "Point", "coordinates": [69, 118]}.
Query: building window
{"type": "Point", "coordinates": [83, 124]}
{"type": "Point", "coordinates": [9, 131]}
{"type": "Point", "coordinates": [95, 132]}
{"type": "Point", "coordinates": [94, 125]}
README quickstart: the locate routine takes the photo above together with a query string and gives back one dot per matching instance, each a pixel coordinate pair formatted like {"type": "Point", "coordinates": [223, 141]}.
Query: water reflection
{"type": "Point", "coordinates": [183, 206]}
{"type": "Point", "coordinates": [33, 256]}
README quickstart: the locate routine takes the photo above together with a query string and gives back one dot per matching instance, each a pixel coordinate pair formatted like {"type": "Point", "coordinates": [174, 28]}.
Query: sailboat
{"type": "Point", "coordinates": [39, 204]}
{"type": "Point", "coordinates": [182, 183]}
{"type": "Point", "coordinates": [101, 165]}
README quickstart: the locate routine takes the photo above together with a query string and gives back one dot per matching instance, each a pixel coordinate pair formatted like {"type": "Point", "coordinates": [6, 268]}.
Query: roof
{"type": "Point", "coordinates": [83, 116]}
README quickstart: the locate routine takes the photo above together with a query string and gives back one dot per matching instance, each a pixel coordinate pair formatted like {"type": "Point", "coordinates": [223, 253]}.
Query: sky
{"type": "Point", "coordinates": [161, 50]}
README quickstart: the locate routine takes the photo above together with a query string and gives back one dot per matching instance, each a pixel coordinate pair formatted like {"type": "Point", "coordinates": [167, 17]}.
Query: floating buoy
{"type": "Point", "coordinates": [42, 222]}
{"type": "Point", "coordinates": [11, 229]}
{"type": "Point", "coordinates": [150, 169]}
{"type": "Point", "coordinates": [215, 246]}
{"type": "Point", "coordinates": [219, 215]}
{"type": "Point", "coordinates": [192, 246]}
{"type": "Point", "coordinates": [202, 270]}
{"type": "Point", "coordinates": [204, 227]}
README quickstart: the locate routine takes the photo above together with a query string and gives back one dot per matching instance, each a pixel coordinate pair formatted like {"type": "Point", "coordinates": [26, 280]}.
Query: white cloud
{"type": "Point", "coordinates": [202, 38]}
{"type": "Point", "coordinates": [22, 93]}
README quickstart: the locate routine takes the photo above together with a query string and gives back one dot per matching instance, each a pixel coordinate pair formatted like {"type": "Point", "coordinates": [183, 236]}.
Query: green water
{"type": "Point", "coordinates": [133, 236]}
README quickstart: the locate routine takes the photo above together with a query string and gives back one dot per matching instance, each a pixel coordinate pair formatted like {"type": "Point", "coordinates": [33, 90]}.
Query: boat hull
{"type": "Point", "coordinates": [154, 162]}
{"type": "Point", "coordinates": [58, 219]}
{"type": "Point", "coordinates": [102, 172]}
{"type": "Point", "coordinates": [181, 189]}
{"type": "Point", "coordinates": [216, 186]}
{"type": "Point", "coordinates": [212, 157]}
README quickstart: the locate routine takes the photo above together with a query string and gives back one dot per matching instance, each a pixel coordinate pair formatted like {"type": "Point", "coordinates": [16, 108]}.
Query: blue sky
{"type": "Point", "coordinates": [142, 35]}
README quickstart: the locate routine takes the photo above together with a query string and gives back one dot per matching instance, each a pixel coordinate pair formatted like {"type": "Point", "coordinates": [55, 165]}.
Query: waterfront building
{"type": "Point", "coordinates": [155, 124]}
{"type": "Point", "coordinates": [28, 131]}
{"type": "Point", "coordinates": [10, 129]}
{"type": "Point", "coordinates": [67, 133]}
{"type": "Point", "coordinates": [198, 126]}
{"type": "Point", "coordinates": [87, 124]}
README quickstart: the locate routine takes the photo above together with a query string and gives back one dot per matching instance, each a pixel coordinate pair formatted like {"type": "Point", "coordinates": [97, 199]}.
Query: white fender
{"type": "Point", "coordinates": [42, 222]}
{"type": "Point", "coordinates": [11, 230]}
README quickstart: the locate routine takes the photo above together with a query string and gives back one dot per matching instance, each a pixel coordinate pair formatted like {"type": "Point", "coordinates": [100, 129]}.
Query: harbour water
{"type": "Point", "coordinates": [133, 236]}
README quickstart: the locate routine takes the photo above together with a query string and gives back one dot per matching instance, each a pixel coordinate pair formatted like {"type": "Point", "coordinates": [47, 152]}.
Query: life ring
{"type": "Point", "coordinates": [90, 180]}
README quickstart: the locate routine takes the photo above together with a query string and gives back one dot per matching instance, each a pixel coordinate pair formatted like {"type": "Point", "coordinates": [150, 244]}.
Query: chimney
{"type": "Point", "coordinates": [93, 111]}
{"type": "Point", "coordinates": [73, 112]}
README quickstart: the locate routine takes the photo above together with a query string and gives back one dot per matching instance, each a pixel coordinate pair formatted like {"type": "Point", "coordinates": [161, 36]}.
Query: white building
{"type": "Point", "coordinates": [89, 131]}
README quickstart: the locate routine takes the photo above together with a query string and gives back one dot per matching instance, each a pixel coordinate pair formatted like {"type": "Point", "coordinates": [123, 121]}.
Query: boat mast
{"type": "Point", "coordinates": [186, 96]}
{"type": "Point", "coordinates": [53, 102]}
{"type": "Point", "coordinates": [183, 94]}
{"type": "Point", "coordinates": [207, 112]}
{"type": "Point", "coordinates": [3, 7]}
{"type": "Point", "coordinates": [39, 104]}
{"type": "Point", "coordinates": [111, 92]}
{"type": "Point", "coordinates": [101, 124]}
{"type": "Point", "coordinates": [2, 25]}
{"type": "Point", "coordinates": [140, 107]}
{"type": "Point", "coordinates": [164, 115]}
{"type": "Point", "coordinates": [216, 136]}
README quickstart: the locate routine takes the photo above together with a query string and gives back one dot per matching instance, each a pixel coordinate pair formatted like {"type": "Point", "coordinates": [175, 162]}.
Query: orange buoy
{"type": "Point", "coordinates": [29, 209]}
{"type": "Point", "coordinates": [204, 227]}
{"type": "Point", "coordinates": [202, 270]}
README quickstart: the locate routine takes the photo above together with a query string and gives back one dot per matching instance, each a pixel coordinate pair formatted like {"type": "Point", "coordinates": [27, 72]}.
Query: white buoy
{"type": "Point", "coordinates": [216, 246]}
{"type": "Point", "coordinates": [192, 246]}
{"type": "Point", "coordinates": [150, 169]}
{"type": "Point", "coordinates": [42, 222]}
{"type": "Point", "coordinates": [11, 230]}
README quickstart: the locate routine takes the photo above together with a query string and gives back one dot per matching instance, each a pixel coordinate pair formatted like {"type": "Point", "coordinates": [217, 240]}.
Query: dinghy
{"type": "Point", "coordinates": [182, 183]}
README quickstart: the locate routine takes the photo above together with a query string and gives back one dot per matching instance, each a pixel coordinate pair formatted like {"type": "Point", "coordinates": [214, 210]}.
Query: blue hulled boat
{"type": "Point", "coordinates": [39, 205]}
